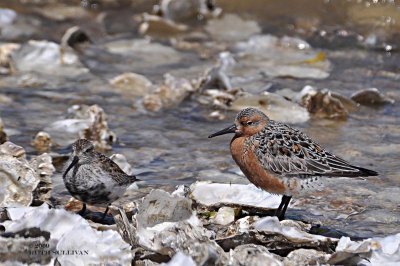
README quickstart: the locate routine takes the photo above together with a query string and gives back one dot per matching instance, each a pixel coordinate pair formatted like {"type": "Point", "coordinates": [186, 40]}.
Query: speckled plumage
{"type": "Point", "coordinates": [281, 159]}
{"type": "Point", "coordinates": [92, 177]}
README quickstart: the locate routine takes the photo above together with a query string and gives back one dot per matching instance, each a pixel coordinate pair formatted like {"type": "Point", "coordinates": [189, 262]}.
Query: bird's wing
{"type": "Point", "coordinates": [289, 152]}
{"type": "Point", "coordinates": [115, 171]}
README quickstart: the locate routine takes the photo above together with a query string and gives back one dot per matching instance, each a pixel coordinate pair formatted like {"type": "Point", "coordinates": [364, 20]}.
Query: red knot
{"type": "Point", "coordinates": [282, 160]}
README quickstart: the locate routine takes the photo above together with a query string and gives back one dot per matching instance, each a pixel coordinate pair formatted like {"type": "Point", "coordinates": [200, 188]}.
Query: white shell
{"type": "Point", "coordinates": [69, 231]}
{"type": "Point", "coordinates": [242, 195]}
{"type": "Point", "coordinates": [17, 178]}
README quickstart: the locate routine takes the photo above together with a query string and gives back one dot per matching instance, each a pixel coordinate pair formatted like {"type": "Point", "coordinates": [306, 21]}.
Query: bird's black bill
{"type": "Point", "coordinates": [74, 161]}
{"type": "Point", "coordinates": [231, 129]}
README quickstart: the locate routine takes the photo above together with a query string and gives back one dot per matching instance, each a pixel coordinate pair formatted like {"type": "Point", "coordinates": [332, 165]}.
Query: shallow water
{"type": "Point", "coordinates": [171, 147]}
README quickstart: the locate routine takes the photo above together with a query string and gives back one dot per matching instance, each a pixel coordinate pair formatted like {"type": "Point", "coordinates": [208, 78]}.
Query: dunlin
{"type": "Point", "coordinates": [282, 160]}
{"type": "Point", "coordinates": [93, 178]}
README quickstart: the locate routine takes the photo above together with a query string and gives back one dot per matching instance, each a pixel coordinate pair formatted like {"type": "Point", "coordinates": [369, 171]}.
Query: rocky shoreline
{"type": "Point", "coordinates": [202, 224]}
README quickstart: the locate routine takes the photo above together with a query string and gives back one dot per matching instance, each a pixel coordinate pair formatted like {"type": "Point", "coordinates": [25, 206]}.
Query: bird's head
{"type": "Point", "coordinates": [248, 122]}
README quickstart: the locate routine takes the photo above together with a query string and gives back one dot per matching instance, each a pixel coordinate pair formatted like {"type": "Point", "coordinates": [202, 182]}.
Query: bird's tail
{"type": "Point", "coordinates": [134, 178]}
{"type": "Point", "coordinates": [366, 172]}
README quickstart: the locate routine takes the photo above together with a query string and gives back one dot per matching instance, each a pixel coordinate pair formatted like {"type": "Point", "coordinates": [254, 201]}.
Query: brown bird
{"type": "Point", "coordinates": [282, 160]}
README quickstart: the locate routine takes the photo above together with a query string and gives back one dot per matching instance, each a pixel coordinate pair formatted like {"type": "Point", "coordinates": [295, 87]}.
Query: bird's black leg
{"type": "Point", "coordinates": [282, 215]}
{"type": "Point", "coordinates": [83, 210]}
{"type": "Point", "coordinates": [105, 213]}
{"type": "Point", "coordinates": [280, 212]}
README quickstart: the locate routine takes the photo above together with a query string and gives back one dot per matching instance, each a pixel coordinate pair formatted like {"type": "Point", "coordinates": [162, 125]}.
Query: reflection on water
{"type": "Point", "coordinates": [171, 147]}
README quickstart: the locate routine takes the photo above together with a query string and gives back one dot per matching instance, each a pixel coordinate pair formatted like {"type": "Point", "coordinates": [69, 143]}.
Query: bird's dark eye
{"type": "Point", "coordinates": [249, 123]}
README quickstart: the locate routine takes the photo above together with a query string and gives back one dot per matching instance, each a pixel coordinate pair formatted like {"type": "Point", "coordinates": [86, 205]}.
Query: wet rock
{"type": "Point", "coordinates": [43, 166]}
{"type": "Point", "coordinates": [216, 195]}
{"type": "Point", "coordinates": [218, 98]}
{"type": "Point", "coordinates": [42, 142]}
{"type": "Point", "coordinates": [278, 237]}
{"type": "Point", "coordinates": [217, 77]}
{"type": "Point", "coordinates": [152, 102]}
{"type": "Point", "coordinates": [192, 240]}
{"type": "Point", "coordinates": [274, 105]}
{"type": "Point", "coordinates": [47, 58]}
{"type": "Point", "coordinates": [145, 52]}
{"type": "Point", "coordinates": [31, 80]}
{"type": "Point", "coordinates": [198, 42]}
{"type": "Point", "coordinates": [125, 228]}
{"type": "Point", "coordinates": [61, 12]}
{"type": "Point", "coordinates": [15, 27]}
{"type": "Point", "coordinates": [161, 27]}
{"type": "Point", "coordinates": [217, 115]}
{"type": "Point", "coordinates": [6, 100]}
{"type": "Point", "coordinates": [181, 259]}
{"type": "Point", "coordinates": [74, 36]}
{"type": "Point", "coordinates": [214, 175]}
{"type": "Point", "coordinates": [371, 97]}
{"type": "Point", "coordinates": [84, 121]}
{"type": "Point", "coordinates": [221, 28]}
{"type": "Point", "coordinates": [3, 135]}
{"type": "Point", "coordinates": [375, 251]}
{"type": "Point", "coordinates": [186, 10]}
{"type": "Point", "coordinates": [66, 231]}
{"type": "Point", "coordinates": [280, 57]}
{"type": "Point", "coordinates": [254, 255]}
{"type": "Point", "coordinates": [322, 103]}
{"type": "Point", "coordinates": [24, 183]}
{"type": "Point", "coordinates": [18, 178]}
{"type": "Point", "coordinates": [167, 224]}
{"type": "Point", "coordinates": [131, 84]}
{"type": "Point", "coordinates": [306, 257]}
{"type": "Point", "coordinates": [171, 93]}
{"type": "Point", "coordinates": [6, 50]}
{"type": "Point", "coordinates": [159, 207]}
{"type": "Point", "coordinates": [9, 148]}
{"type": "Point", "coordinates": [7, 16]}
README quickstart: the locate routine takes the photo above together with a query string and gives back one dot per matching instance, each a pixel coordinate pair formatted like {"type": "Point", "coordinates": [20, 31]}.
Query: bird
{"type": "Point", "coordinates": [283, 160]}
{"type": "Point", "coordinates": [93, 178]}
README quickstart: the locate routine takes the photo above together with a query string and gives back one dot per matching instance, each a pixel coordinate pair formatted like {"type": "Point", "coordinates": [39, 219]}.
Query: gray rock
{"type": "Point", "coordinates": [254, 255]}
{"type": "Point", "coordinates": [306, 257]}
{"type": "Point", "coordinates": [371, 97]}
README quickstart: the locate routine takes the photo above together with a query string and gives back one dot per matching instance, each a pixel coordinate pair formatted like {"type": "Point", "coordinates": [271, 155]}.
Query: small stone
{"type": "Point", "coordinates": [221, 29]}
{"type": "Point", "coordinates": [87, 122]}
{"type": "Point", "coordinates": [225, 216]}
{"type": "Point", "coordinates": [74, 36]}
{"type": "Point", "coordinates": [255, 255]}
{"type": "Point", "coordinates": [44, 168]}
{"type": "Point", "coordinates": [131, 84]}
{"type": "Point", "coordinates": [6, 50]}
{"type": "Point", "coordinates": [152, 102]}
{"type": "Point", "coordinates": [306, 257]}
{"type": "Point", "coordinates": [17, 177]}
{"type": "Point", "coordinates": [371, 97]}
{"type": "Point", "coordinates": [155, 25]}
{"type": "Point", "coordinates": [322, 103]}
{"type": "Point", "coordinates": [42, 142]}
{"type": "Point", "coordinates": [12, 149]}
{"type": "Point", "coordinates": [276, 106]}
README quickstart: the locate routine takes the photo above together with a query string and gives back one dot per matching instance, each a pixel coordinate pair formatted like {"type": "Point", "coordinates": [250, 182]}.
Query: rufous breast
{"type": "Point", "coordinates": [244, 156]}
